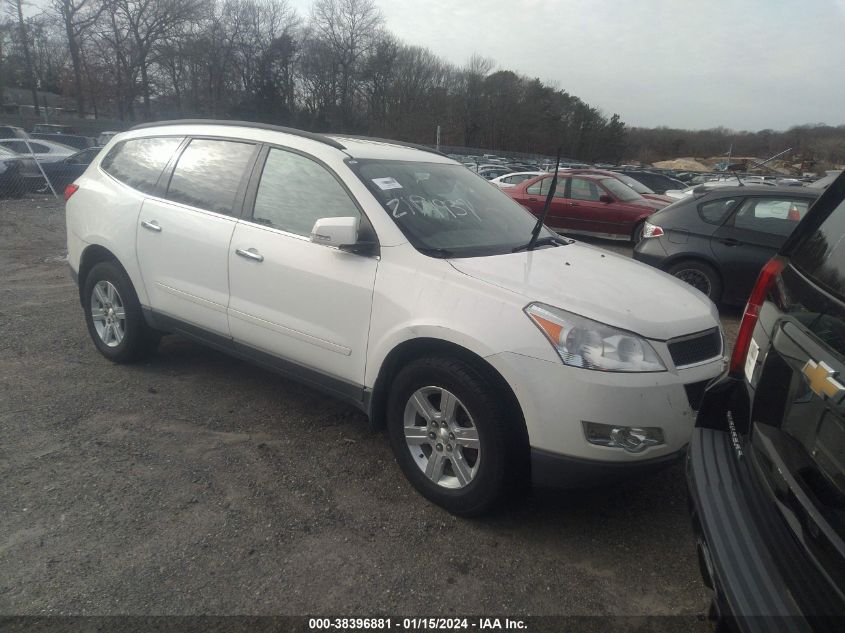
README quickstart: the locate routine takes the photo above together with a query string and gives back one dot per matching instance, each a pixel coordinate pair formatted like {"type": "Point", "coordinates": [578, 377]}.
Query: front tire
{"type": "Point", "coordinates": [453, 435]}
{"type": "Point", "coordinates": [113, 315]}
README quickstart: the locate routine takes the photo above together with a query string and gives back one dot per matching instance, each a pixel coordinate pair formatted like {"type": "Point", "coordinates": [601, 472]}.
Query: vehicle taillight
{"type": "Point", "coordinates": [71, 189]}
{"type": "Point", "coordinates": [765, 281]}
{"type": "Point", "coordinates": [652, 230]}
{"type": "Point", "coordinates": [793, 215]}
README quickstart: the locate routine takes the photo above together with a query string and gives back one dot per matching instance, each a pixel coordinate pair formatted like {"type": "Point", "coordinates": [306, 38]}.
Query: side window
{"type": "Point", "coordinates": [208, 173]}
{"type": "Point", "coordinates": [541, 187]}
{"type": "Point", "coordinates": [776, 216]}
{"type": "Point", "coordinates": [294, 192]}
{"type": "Point", "coordinates": [139, 162]}
{"type": "Point", "coordinates": [16, 146]}
{"type": "Point", "coordinates": [585, 190]}
{"type": "Point", "coordinates": [715, 211]}
{"type": "Point", "coordinates": [38, 148]}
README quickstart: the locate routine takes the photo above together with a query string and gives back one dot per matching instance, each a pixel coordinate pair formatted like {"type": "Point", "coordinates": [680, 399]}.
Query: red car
{"type": "Point", "coordinates": [600, 206]}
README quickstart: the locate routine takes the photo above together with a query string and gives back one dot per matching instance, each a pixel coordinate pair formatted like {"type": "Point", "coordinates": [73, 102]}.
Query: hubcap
{"type": "Point", "coordinates": [108, 313]}
{"type": "Point", "coordinates": [695, 278]}
{"type": "Point", "coordinates": [442, 437]}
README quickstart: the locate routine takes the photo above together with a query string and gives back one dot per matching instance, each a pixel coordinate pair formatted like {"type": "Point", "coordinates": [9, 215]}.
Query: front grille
{"type": "Point", "coordinates": [696, 348]}
{"type": "Point", "coordinates": [695, 393]}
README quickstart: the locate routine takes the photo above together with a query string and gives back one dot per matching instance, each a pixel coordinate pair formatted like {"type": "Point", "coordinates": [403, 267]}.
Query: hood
{"type": "Point", "coordinates": [649, 203]}
{"type": "Point", "coordinates": [666, 200]}
{"type": "Point", "coordinates": [599, 285]}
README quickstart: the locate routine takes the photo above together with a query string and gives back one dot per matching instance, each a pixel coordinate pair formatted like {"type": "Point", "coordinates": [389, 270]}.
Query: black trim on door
{"type": "Point", "coordinates": [349, 392]}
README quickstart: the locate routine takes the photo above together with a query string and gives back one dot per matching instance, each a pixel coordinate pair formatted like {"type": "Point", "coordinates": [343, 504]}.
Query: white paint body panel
{"type": "Point", "coordinates": [185, 265]}
{"type": "Point", "coordinates": [305, 302]}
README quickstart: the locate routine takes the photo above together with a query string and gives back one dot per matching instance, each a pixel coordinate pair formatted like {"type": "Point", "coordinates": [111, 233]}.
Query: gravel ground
{"type": "Point", "coordinates": [195, 483]}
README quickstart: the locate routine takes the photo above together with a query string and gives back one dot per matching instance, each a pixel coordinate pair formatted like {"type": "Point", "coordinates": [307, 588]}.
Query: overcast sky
{"type": "Point", "coordinates": [742, 64]}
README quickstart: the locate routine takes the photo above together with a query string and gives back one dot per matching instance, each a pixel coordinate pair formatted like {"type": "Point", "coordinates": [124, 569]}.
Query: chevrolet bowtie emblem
{"type": "Point", "coordinates": [821, 380]}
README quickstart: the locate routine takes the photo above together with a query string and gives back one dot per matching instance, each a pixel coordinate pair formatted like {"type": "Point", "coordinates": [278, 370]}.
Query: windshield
{"type": "Point", "coordinates": [446, 210]}
{"type": "Point", "coordinates": [636, 185]}
{"type": "Point", "coordinates": [619, 189]}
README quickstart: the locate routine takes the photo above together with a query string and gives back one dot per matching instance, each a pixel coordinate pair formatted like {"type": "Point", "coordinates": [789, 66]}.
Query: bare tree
{"type": "Point", "coordinates": [349, 27]}
{"type": "Point", "coordinates": [15, 8]}
{"type": "Point", "coordinates": [77, 16]}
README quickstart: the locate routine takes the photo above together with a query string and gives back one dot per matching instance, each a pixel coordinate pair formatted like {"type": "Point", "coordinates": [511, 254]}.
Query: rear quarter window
{"type": "Point", "coordinates": [139, 162]}
{"type": "Point", "coordinates": [715, 211]}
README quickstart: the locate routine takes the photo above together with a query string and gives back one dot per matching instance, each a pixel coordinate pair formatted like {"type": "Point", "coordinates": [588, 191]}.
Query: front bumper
{"type": "Point", "coordinates": [550, 470]}
{"type": "Point", "coordinates": [556, 400]}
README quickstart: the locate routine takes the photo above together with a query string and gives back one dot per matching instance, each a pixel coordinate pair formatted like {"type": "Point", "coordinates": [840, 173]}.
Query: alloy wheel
{"type": "Point", "coordinates": [442, 437]}
{"type": "Point", "coordinates": [108, 313]}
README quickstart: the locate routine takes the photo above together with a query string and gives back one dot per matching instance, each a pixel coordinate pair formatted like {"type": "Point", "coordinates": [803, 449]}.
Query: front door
{"type": "Point", "coordinates": [295, 299]}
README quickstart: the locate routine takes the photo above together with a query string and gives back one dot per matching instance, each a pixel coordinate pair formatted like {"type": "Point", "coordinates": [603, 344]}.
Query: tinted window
{"type": "Point", "coordinates": [139, 162]}
{"type": "Point", "coordinates": [208, 174]}
{"type": "Point", "coordinates": [585, 190]}
{"type": "Point", "coordinates": [295, 192]}
{"type": "Point", "coordinates": [821, 255]}
{"type": "Point", "coordinates": [715, 211]}
{"type": "Point", "coordinates": [777, 216]}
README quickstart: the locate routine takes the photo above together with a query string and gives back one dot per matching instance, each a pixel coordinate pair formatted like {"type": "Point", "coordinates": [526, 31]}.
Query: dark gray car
{"type": "Point", "coordinates": [719, 240]}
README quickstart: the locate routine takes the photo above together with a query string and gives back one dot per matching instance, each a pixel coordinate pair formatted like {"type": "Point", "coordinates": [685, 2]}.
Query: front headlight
{"type": "Point", "coordinates": [589, 344]}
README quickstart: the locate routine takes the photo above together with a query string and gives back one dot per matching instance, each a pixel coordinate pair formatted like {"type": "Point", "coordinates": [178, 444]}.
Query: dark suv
{"type": "Point", "coordinates": [766, 463]}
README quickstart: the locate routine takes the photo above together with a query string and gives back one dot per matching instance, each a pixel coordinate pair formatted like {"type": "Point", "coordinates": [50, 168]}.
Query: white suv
{"type": "Point", "coordinates": [394, 278]}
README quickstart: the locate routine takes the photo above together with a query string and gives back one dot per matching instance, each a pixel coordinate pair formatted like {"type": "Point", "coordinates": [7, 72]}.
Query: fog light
{"type": "Point", "coordinates": [633, 439]}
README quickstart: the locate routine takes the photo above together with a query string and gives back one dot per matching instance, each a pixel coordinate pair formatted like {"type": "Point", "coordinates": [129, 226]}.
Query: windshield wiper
{"type": "Point", "coordinates": [441, 253]}
{"type": "Point", "coordinates": [547, 240]}
{"type": "Point", "coordinates": [541, 220]}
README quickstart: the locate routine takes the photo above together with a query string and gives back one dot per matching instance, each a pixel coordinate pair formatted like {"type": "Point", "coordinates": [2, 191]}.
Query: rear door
{"type": "Point", "coordinates": [750, 236]}
{"type": "Point", "coordinates": [183, 237]}
{"type": "Point", "coordinates": [798, 415]}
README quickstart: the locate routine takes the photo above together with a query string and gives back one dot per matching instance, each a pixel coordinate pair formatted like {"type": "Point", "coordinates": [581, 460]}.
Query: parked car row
{"type": "Point", "coordinates": [48, 152]}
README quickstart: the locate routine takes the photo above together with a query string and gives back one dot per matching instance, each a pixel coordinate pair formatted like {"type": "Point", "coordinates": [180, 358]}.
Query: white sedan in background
{"type": "Point", "coordinates": [511, 180]}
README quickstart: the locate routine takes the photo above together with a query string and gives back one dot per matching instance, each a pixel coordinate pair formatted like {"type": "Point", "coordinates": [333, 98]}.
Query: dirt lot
{"type": "Point", "coordinates": [196, 483]}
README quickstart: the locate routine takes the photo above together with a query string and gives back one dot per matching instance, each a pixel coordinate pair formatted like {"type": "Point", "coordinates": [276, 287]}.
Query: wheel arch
{"type": "Point", "coordinates": [414, 348]}
{"type": "Point", "coordinates": [93, 255]}
{"type": "Point", "coordinates": [695, 257]}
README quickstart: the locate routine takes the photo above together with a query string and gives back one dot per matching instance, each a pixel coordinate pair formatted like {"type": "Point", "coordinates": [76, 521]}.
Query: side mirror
{"type": "Point", "coordinates": [605, 198]}
{"type": "Point", "coordinates": [335, 232]}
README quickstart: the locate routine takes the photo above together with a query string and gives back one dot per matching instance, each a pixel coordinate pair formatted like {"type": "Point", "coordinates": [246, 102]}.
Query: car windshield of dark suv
{"type": "Point", "coordinates": [447, 211]}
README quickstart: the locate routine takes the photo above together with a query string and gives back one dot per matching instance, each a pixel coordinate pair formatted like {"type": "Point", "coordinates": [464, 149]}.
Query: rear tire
{"type": "Point", "coordinates": [113, 315]}
{"type": "Point", "coordinates": [453, 435]}
{"type": "Point", "coordinates": [701, 276]}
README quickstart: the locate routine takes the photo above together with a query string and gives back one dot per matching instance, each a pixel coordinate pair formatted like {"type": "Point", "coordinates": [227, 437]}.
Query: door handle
{"type": "Point", "coordinates": [250, 253]}
{"type": "Point", "coordinates": [532, 199]}
{"type": "Point", "coordinates": [151, 225]}
{"type": "Point", "coordinates": [730, 242]}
